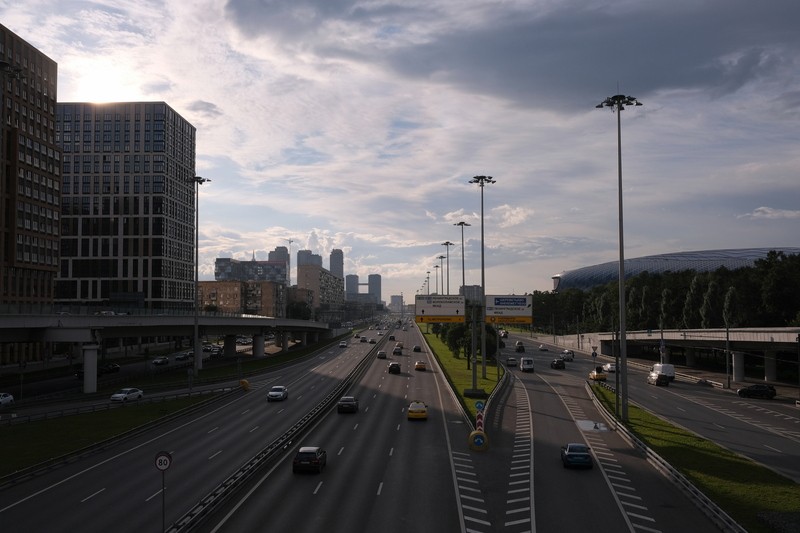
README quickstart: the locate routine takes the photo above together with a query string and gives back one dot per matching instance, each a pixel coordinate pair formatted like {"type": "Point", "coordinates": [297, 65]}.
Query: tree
{"type": "Point", "coordinates": [692, 303]}
{"type": "Point", "coordinates": [730, 310]}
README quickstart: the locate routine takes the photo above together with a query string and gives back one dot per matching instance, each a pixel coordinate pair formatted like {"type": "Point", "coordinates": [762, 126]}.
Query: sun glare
{"type": "Point", "coordinates": [103, 81]}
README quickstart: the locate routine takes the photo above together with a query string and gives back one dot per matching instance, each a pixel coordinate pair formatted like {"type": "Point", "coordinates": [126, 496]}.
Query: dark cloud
{"type": "Point", "coordinates": [567, 57]}
{"type": "Point", "coordinates": [205, 108]}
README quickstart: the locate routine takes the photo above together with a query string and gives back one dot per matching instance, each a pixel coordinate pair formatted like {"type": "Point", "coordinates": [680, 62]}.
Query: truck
{"type": "Point", "coordinates": [526, 364]}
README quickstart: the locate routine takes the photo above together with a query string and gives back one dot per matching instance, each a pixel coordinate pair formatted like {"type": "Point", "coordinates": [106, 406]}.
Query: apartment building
{"type": "Point", "coordinates": [127, 206]}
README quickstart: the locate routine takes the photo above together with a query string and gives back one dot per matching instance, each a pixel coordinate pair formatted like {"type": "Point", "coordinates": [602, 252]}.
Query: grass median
{"type": "Point", "coordinates": [759, 499]}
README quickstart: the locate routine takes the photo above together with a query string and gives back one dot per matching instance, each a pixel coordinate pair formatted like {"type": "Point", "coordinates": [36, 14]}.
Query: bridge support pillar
{"type": "Point", "coordinates": [770, 366]}
{"type": "Point", "coordinates": [229, 345]}
{"type": "Point", "coordinates": [90, 368]}
{"type": "Point", "coordinates": [258, 345]}
{"type": "Point", "coordinates": [738, 366]}
{"type": "Point", "coordinates": [691, 354]}
{"type": "Point", "coordinates": [304, 339]}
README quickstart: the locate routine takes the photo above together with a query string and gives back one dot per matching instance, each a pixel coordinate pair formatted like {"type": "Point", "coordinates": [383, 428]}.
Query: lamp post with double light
{"type": "Point", "coordinates": [617, 104]}
{"type": "Point", "coordinates": [441, 259]}
{"type": "Point", "coordinates": [482, 181]}
{"type": "Point", "coordinates": [448, 244]}
{"type": "Point", "coordinates": [198, 349]}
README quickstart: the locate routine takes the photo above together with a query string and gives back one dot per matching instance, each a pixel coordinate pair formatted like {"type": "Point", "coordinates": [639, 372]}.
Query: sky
{"type": "Point", "coordinates": [358, 125]}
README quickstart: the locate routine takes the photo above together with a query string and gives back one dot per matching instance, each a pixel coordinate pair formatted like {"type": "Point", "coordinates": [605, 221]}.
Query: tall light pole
{"type": "Point", "coordinates": [436, 275]}
{"type": "Point", "coordinates": [463, 272]}
{"type": "Point", "coordinates": [198, 349]}
{"type": "Point", "coordinates": [617, 103]}
{"type": "Point", "coordinates": [482, 181]}
{"type": "Point", "coordinates": [441, 259]}
{"type": "Point", "coordinates": [428, 281]}
{"type": "Point", "coordinates": [448, 244]}
{"type": "Point", "coordinates": [289, 267]}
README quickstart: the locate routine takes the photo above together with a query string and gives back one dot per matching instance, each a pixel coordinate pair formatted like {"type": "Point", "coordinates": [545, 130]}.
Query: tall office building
{"type": "Point", "coordinates": [351, 287]}
{"type": "Point", "coordinates": [30, 167]}
{"type": "Point", "coordinates": [128, 205]}
{"type": "Point", "coordinates": [306, 257]}
{"type": "Point", "coordinates": [374, 287]}
{"type": "Point", "coordinates": [337, 263]}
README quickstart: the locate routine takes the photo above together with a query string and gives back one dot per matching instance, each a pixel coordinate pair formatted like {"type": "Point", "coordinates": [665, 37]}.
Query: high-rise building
{"type": "Point", "coordinates": [30, 168]}
{"type": "Point", "coordinates": [128, 205]}
{"type": "Point", "coordinates": [306, 257]}
{"type": "Point", "coordinates": [327, 292]}
{"type": "Point", "coordinates": [337, 263]}
{"type": "Point", "coordinates": [281, 253]}
{"type": "Point", "coordinates": [351, 287]}
{"type": "Point", "coordinates": [374, 287]}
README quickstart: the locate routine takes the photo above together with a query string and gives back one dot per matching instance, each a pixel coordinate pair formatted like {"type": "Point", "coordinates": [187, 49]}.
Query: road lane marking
{"type": "Point", "coordinates": [214, 455]}
{"type": "Point", "coordinates": [89, 497]}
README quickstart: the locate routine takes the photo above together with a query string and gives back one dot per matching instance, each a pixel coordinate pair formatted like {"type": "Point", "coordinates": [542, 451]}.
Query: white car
{"type": "Point", "coordinates": [343, 344]}
{"type": "Point", "coordinates": [6, 399]}
{"type": "Point", "coordinates": [127, 394]}
{"type": "Point", "coordinates": [277, 393]}
{"type": "Point", "coordinates": [610, 367]}
{"type": "Point", "coordinates": [568, 355]}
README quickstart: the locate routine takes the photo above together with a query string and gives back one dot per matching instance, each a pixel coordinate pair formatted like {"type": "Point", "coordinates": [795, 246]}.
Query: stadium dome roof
{"type": "Point", "coordinates": [699, 261]}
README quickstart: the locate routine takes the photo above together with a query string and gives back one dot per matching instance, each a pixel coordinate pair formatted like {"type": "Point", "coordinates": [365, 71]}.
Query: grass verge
{"type": "Point", "coordinates": [33, 443]}
{"type": "Point", "coordinates": [759, 499]}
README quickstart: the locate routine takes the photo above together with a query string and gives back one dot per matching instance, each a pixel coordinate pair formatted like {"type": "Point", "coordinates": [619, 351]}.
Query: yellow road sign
{"type": "Point", "coordinates": [427, 319]}
{"type": "Point", "coordinates": [509, 319]}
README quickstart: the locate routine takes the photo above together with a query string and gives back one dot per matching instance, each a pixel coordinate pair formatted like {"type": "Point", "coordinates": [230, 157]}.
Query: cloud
{"type": "Point", "coordinates": [770, 213]}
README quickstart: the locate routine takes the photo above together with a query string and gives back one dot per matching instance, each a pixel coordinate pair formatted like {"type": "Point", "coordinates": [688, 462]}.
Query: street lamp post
{"type": "Point", "coordinates": [617, 103]}
{"type": "Point", "coordinates": [463, 272]}
{"type": "Point", "coordinates": [482, 181]}
{"type": "Point", "coordinates": [436, 276]}
{"type": "Point", "coordinates": [428, 281]}
{"type": "Point", "coordinates": [448, 244]}
{"type": "Point", "coordinates": [441, 269]}
{"type": "Point", "coordinates": [198, 349]}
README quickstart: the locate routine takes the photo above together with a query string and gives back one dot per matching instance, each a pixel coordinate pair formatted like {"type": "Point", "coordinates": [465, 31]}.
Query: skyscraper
{"type": "Point", "coordinates": [337, 263]}
{"type": "Point", "coordinates": [128, 205]}
{"type": "Point", "coordinates": [30, 167]}
{"type": "Point", "coordinates": [374, 287]}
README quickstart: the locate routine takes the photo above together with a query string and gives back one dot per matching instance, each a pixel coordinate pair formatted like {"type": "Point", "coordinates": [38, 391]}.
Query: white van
{"type": "Point", "coordinates": [526, 364]}
{"type": "Point", "coordinates": [664, 368]}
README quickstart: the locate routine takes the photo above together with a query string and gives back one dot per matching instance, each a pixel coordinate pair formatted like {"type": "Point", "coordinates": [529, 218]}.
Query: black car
{"type": "Point", "coordinates": [347, 404]}
{"type": "Point", "coordinates": [108, 368]}
{"type": "Point", "coordinates": [577, 455]}
{"type": "Point", "coordinates": [394, 368]}
{"type": "Point", "coordinates": [658, 379]}
{"type": "Point", "coordinates": [558, 364]}
{"type": "Point", "coordinates": [767, 392]}
{"type": "Point", "coordinates": [309, 459]}
{"type": "Point", "coordinates": [416, 348]}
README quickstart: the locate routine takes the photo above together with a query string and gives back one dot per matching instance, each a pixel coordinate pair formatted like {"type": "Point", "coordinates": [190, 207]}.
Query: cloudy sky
{"type": "Point", "coordinates": [357, 124]}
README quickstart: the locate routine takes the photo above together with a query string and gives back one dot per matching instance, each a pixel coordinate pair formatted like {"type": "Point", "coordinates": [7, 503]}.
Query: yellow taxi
{"type": "Point", "coordinates": [598, 374]}
{"type": "Point", "coordinates": [417, 410]}
{"type": "Point", "coordinates": [420, 365]}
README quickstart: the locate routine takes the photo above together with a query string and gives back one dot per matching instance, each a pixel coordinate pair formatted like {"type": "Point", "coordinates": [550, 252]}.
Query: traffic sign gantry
{"type": "Point", "coordinates": [439, 308]}
{"type": "Point", "coordinates": [510, 309]}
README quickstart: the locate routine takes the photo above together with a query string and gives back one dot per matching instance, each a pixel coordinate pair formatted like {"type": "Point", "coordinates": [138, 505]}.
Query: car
{"type": "Point", "coordinates": [610, 368]}
{"type": "Point", "coordinates": [757, 391]}
{"type": "Point", "coordinates": [183, 356]}
{"type": "Point", "coordinates": [420, 365]}
{"type": "Point", "coordinates": [391, 337]}
{"type": "Point", "coordinates": [127, 394]}
{"type": "Point", "coordinates": [163, 360]}
{"type": "Point", "coordinates": [568, 355]}
{"type": "Point", "coordinates": [347, 404]}
{"type": "Point", "coordinates": [597, 374]}
{"type": "Point", "coordinates": [399, 345]}
{"type": "Point", "coordinates": [503, 334]}
{"type": "Point", "coordinates": [417, 410]}
{"type": "Point", "coordinates": [380, 334]}
{"type": "Point", "coordinates": [342, 344]}
{"type": "Point", "coordinates": [309, 459]}
{"type": "Point", "coordinates": [543, 348]}
{"type": "Point", "coordinates": [511, 361]}
{"type": "Point", "coordinates": [526, 364]}
{"type": "Point", "coordinates": [277, 393]}
{"type": "Point", "coordinates": [657, 378]}
{"type": "Point", "coordinates": [519, 347]}
{"type": "Point", "coordinates": [372, 341]}
{"type": "Point", "coordinates": [381, 354]}
{"type": "Point", "coordinates": [576, 454]}
{"type": "Point", "coordinates": [558, 364]}
{"type": "Point", "coordinates": [397, 351]}
{"type": "Point", "coordinates": [364, 339]}
{"type": "Point", "coordinates": [416, 348]}
{"type": "Point", "coordinates": [356, 336]}
{"type": "Point", "coordinates": [394, 368]}
{"type": "Point", "coordinates": [6, 399]}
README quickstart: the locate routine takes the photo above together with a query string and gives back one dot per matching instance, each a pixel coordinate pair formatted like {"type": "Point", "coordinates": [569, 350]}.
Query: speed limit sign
{"type": "Point", "coordinates": [163, 460]}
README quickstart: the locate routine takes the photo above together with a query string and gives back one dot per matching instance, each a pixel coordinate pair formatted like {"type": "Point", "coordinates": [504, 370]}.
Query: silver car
{"type": "Point", "coordinates": [127, 394]}
{"type": "Point", "coordinates": [277, 393]}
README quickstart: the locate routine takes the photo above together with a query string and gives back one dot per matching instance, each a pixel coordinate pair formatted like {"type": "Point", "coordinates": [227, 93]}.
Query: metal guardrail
{"type": "Point", "coordinates": [703, 502]}
{"type": "Point", "coordinates": [207, 505]}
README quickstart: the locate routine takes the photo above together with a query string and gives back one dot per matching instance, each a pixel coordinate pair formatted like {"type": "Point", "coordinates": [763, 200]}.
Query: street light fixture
{"type": "Point", "coordinates": [198, 349]}
{"type": "Point", "coordinates": [448, 244]}
{"type": "Point", "coordinates": [428, 281]}
{"type": "Point", "coordinates": [436, 275]}
{"type": "Point", "coordinates": [617, 103]}
{"type": "Point", "coordinates": [482, 181]}
{"type": "Point", "coordinates": [463, 274]}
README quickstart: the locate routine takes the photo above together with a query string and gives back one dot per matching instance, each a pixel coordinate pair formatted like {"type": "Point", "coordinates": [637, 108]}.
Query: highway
{"type": "Point", "coordinates": [386, 473]}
